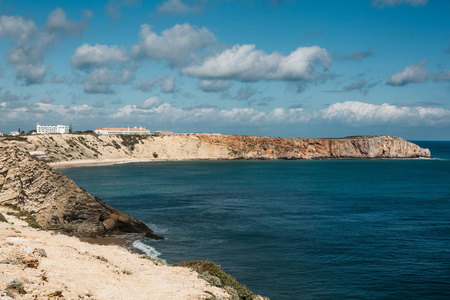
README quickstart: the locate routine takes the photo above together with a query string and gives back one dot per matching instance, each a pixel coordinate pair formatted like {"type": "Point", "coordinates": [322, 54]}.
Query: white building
{"type": "Point", "coordinates": [14, 133]}
{"type": "Point", "coordinates": [135, 130]}
{"type": "Point", "coordinates": [50, 129]}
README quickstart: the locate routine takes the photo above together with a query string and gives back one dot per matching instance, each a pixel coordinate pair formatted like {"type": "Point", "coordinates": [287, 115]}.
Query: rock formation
{"type": "Point", "coordinates": [56, 202]}
{"type": "Point", "coordinates": [61, 148]}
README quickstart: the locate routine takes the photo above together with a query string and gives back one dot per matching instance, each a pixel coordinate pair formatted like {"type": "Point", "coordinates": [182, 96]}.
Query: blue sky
{"type": "Point", "coordinates": [251, 67]}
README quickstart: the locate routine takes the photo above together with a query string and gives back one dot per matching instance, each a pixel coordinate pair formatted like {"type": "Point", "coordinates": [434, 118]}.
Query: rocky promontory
{"type": "Point", "coordinates": [81, 147]}
{"type": "Point", "coordinates": [56, 202]}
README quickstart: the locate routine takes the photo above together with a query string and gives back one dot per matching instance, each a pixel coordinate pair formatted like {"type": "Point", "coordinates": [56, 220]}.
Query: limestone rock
{"type": "Point", "coordinates": [56, 202]}
{"type": "Point", "coordinates": [70, 147]}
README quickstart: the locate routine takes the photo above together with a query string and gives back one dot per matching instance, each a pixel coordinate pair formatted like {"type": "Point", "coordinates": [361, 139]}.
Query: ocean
{"type": "Point", "coordinates": [323, 229]}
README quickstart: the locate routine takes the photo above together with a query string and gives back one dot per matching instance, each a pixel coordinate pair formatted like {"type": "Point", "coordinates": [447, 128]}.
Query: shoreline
{"type": "Point", "coordinates": [39, 264]}
{"type": "Point", "coordinates": [97, 162]}
{"type": "Point", "coordinates": [118, 161]}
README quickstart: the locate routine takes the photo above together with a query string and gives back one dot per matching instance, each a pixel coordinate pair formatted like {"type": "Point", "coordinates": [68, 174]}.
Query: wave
{"type": "Point", "coordinates": [146, 249]}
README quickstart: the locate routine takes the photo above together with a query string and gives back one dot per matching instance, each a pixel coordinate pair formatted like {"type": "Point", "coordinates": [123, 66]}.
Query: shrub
{"type": "Point", "coordinates": [213, 269]}
{"type": "Point", "coordinates": [3, 219]}
{"type": "Point", "coordinates": [25, 216]}
{"type": "Point", "coordinates": [17, 286]}
{"type": "Point", "coordinates": [155, 155]}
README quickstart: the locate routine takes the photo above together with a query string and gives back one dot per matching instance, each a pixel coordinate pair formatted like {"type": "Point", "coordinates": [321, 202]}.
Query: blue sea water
{"type": "Point", "coordinates": [328, 229]}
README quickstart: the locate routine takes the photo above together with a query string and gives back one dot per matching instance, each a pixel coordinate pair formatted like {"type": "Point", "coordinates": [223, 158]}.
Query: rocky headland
{"type": "Point", "coordinates": [56, 202]}
{"type": "Point", "coordinates": [90, 148]}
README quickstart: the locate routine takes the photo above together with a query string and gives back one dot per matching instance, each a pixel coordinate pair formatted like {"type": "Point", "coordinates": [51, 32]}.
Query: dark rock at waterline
{"type": "Point", "coordinates": [56, 202]}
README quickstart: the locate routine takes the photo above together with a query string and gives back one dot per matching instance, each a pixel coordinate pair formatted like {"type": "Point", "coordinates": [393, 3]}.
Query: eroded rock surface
{"type": "Point", "coordinates": [56, 202]}
{"type": "Point", "coordinates": [72, 147]}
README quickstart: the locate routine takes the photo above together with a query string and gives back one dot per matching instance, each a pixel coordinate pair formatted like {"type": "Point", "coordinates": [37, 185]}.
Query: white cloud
{"type": "Point", "coordinates": [383, 3]}
{"type": "Point", "coordinates": [411, 74]}
{"type": "Point", "coordinates": [87, 56]}
{"type": "Point", "coordinates": [100, 80]}
{"type": "Point", "coordinates": [172, 7]}
{"type": "Point", "coordinates": [32, 45]}
{"type": "Point", "coordinates": [350, 115]}
{"type": "Point", "coordinates": [178, 45]}
{"type": "Point", "coordinates": [214, 86]}
{"type": "Point", "coordinates": [365, 113]}
{"type": "Point", "coordinates": [149, 103]}
{"type": "Point", "coordinates": [57, 22]}
{"type": "Point", "coordinates": [16, 28]}
{"type": "Point", "coordinates": [244, 63]}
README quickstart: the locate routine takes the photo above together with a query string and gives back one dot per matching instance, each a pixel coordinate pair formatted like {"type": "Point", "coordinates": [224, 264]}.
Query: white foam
{"type": "Point", "coordinates": [148, 250]}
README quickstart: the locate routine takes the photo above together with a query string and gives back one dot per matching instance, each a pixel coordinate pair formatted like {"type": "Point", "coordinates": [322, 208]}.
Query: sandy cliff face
{"type": "Point", "coordinates": [56, 201]}
{"type": "Point", "coordinates": [213, 146]}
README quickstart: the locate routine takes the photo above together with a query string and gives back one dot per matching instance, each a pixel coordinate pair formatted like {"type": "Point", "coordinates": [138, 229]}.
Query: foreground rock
{"type": "Point", "coordinates": [37, 264]}
{"type": "Point", "coordinates": [110, 148]}
{"type": "Point", "coordinates": [56, 202]}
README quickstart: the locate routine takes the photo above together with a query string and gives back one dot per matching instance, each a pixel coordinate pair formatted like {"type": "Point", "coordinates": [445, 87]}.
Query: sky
{"type": "Point", "coordinates": [288, 68]}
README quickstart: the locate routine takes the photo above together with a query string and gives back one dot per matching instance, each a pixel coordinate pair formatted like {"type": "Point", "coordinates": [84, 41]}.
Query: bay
{"type": "Point", "coordinates": [324, 229]}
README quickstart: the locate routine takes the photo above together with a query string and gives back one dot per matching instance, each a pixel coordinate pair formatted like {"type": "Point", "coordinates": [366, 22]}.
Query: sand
{"type": "Point", "coordinates": [55, 266]}
{"type": "Point", "coordinates": [96, 162]}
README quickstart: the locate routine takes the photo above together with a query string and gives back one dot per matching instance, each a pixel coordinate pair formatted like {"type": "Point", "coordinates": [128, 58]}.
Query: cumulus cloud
{"type": "Point", "coordinates": [113, 8]}
{"type": "Point", "coordinates": [365, 113]}
{"type": "Point", "coordinates": [57, 23]}
{"type": "Point", "coordinates": [150, 103]}
{"type": "Point", "coordinates": [87, 57]}
{"type": "Point", "coordinates": [178, 45]}
{"type": "Point", "coordinates": [31, 45]}
{"type": "Point", "coordinates": [244, 63]}
{"type": "Point", "coordinates": [176, 7]}
{"type": "Point", "coordinates": [214, 86]}
{"type": "Point", "coordinates": [383, 3]}
{"type": "Point", "coordinates": [209, 117]}
{"type": "Point", "coordinates": [16, 28]}
{"type": "Point", "coordinates": [411, 74]}
{"type": "Point", "coordinates": [100, 80]}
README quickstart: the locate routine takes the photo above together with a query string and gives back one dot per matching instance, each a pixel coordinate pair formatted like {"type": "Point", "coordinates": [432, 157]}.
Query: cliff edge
{"type": "Point", "coordinates": [56, 202]}
{"type": "Point", "coordinates": [73, 148]}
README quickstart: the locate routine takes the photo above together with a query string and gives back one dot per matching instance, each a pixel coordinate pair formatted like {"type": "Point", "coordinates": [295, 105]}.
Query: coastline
{"type": "Point", "coordinates": [96, 162]}
{"type": "Point", "coordinates": [43, 265]}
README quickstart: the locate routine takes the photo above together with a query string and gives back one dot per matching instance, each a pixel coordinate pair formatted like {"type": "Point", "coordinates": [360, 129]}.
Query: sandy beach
{"type": "Point", "coordinates": [36, 264]}
{"type": "Point", "coordinates": [96, 162]}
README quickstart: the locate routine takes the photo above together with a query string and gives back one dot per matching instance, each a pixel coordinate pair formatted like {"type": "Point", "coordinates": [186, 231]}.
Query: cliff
{"type": "Point", "coordinates": [56, 202]}
{"type": "Point", "coordinates": [63, 148]}
{"type": "Point", "coordinates": [37, 264]}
